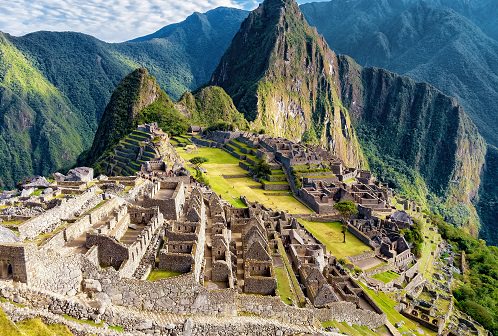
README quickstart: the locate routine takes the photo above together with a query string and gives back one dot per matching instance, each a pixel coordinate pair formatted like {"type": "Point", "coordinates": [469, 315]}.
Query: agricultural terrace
{"type": "Point", "coordinates": [230, 181]}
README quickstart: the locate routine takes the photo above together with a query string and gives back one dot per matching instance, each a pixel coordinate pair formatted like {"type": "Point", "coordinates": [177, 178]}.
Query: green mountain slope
{"type": "Point", "coordinates": [487, 205]}
{"type": "Point", "coordinates": [424, 40]}
{"type": "Point", "coordinates": [427, 131]}
{"type": "Point", "coordinates": [209, 106]}
{"type": "Point", "coordinates": [450, 44]}
{"type": "Point", "coordinates": [39, 132]}
{"type": "Point", "coordinates": [137, 99]}
{"type": "Point", "coordinates": [280, 74]}
{"type": "Point", "coordinates": [82, 73]}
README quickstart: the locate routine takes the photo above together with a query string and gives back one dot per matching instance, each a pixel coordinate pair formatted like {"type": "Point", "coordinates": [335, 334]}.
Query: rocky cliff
{"type": "Point", "coordinates": [426, 130]}
{"type": "Point", "coordinates": [282, 77]}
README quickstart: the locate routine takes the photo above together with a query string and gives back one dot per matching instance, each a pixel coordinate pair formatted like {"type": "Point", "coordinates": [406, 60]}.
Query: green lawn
{"type": "Point", "coordinates": [214, 155]}
{"type": "Point", "coordinates": [330, 234]}
{"type": "Point", "coordinates": [386, 277]}
{"type": "Point", "coordinates": [387, 304]}
{"type": "Point", "coordinates": [231, 189]}
{"type": "Point", "coordinates": [36, 327]}
{"type": "Point", "coordinates": [355, 330]}
{"type": "Point", "coordinates": [284, 288]}
{"type": "Point", "coordinates": [156, 275]}
{"type": "Point", "coordinates": [8, 328]}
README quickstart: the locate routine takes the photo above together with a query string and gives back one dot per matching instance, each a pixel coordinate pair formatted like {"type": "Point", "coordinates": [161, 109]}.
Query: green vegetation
{"type": "Point", "coordinates": [198, 161]}
{"type": "Point", "coordinates": [387, 304]}
{"type": "Point", "coordinates": [36, 327]}
{"type": "Point", "coordinates": [346, 209]}
{"type": "Point", "coordinates": [165, 114]}
{"type": "Point", "coordinates": [221, 169]}
{"type": "Point", "coordinates": [414, 236]}
{"type": "Point", "coordinates": [156, 275]}
{"type": "Point", "coordinates": [284, 289]}
{"type": "Point", "coordinates": [137, 99]}
{"type": "Point", "coordinates": [330, 234]}
{"type": "Point", "coordinates": [39, 132]}
{"type": "Point", "coordinates": [488, 197]}
{"type": "Point", "coordinates": [7, 327]}
{"type": "Point", "coordinates": [355, 330]}
{"type": "Point", "coordinates": [261, 169]}
{"type": "Point", "coordinates": [293, 286]}
{"type": "Point", "coordinates": [211, 106]}
{"type": "Point", "coordinates": [386, 277]}
{"type": "Point", "coordinates": [434, 191]}
{"type": "Point", "coordinates": [477, 294]}
{"type": "Point", "coordinates": [88, 322]}
{"type": "Point", "coordinates": [257, 72]}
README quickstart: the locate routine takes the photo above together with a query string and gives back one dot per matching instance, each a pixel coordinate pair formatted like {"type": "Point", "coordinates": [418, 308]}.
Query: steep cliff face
{"type": "Point", "coordinates": [281, 75]}
{"type": "Point", "coordinates": [487, 204]}
{"type": "Point", "coordinates": [426, 130]}
{"type": "Point", "coordinates": [209, 106]}
{"type": "Point", "coordinates": [137, 99]}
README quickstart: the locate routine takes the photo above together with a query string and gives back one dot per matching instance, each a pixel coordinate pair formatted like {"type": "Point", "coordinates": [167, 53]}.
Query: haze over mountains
{"type": "Point", "coordinates": [450, 44]}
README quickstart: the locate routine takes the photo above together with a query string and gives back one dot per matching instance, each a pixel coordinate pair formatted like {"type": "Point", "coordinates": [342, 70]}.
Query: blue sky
{"type": "Point", "coordinates": [109, 20]}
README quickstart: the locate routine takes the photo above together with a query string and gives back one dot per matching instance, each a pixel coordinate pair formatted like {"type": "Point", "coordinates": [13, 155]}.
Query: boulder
{"type": "Point", "coordinates": [92, 286]}
{"type": "Point", "coordinates": [80, 174]}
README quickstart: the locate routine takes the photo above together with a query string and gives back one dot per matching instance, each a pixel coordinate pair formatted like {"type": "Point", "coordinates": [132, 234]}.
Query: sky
{"type": "Point", "coordinates": [108, 20]}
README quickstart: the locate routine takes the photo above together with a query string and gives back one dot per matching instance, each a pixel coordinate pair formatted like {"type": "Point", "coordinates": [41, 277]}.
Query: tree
{"type": "Point", "coordinates": [198, 161]}
{"type": "Point", "coordinates": [261, 169]}
{"type": "Point", "coordinates": [346, 209]}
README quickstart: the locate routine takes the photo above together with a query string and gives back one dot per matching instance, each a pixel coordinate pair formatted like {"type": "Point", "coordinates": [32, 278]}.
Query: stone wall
{"type": "Point", "coordinates": [54, 272]}
{"type": "Point", "coordinates": [13, 262]}
{"type": "Point", "coordinates": [347, 312]}
{"type": "Point", "coordinates": [48, 220]}
{"type": "Point", "coordinates": [360, 235]}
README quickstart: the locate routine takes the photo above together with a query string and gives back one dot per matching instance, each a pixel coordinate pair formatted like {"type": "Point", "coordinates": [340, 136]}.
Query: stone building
{"type": "Point", "coordinates": [183, 249]}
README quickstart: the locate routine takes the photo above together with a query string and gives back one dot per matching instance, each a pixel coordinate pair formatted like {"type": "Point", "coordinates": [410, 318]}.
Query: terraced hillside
{"type": "Point", "coordinates": [130, 153]}
{"type": "Point", "coordinates": [274, 181]}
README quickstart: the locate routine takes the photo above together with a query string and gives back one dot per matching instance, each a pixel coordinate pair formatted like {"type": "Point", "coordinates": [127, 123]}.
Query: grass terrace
{"type": "Point", "coordinates": [284, 287]}
{"type": "Point", "coordinates": [386, 277]}
{"type": "Point", "coordinates": [31, 327]}
{"type": "Point", "coordinates": [356, 330]}
{"type": "Point", "coordinates": [330, 234]}
{"type": "Point", "coordinates": [156, 275]}
{"type": "Point", "coordinates": [221, 165]}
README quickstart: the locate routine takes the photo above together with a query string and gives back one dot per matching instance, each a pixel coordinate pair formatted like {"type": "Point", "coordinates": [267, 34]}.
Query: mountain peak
{"type": "Point", "coordinates": [280, 74]}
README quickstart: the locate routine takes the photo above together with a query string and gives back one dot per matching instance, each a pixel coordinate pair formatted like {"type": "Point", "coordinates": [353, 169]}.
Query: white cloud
{"type": "Point", "coordinates": [109, 20]}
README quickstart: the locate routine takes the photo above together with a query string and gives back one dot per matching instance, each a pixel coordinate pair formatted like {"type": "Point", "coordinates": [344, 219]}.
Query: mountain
{"type": "Point", "coordinates": [137, 99]}
{"type": "Point", "coordinates": [209, 106]}
{"type": "Point", "coordinates": [487, 205]}
{"type": "Point", "coordinates": [428, 41]}
{"type": "Point", "coordinates": [280, 74]}
{"type": "Point", "coordinates": [411, 130]}
{"type": "Point", "coordinates": [81, 73]}
{"type": "Point", "coordinates": [39, 132]}
{"type": "Point", "coordinates": [450, 44]}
